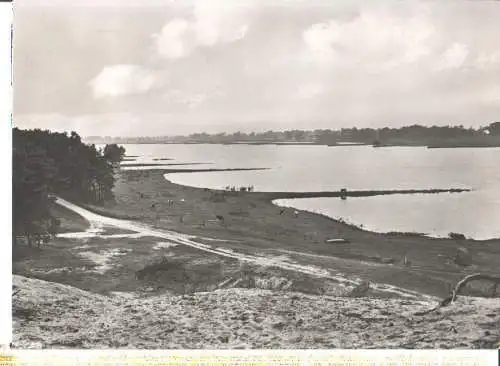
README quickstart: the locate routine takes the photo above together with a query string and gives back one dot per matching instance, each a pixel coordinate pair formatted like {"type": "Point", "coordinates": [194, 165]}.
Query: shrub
{"type": "Point", "coordinates": [456, 236]}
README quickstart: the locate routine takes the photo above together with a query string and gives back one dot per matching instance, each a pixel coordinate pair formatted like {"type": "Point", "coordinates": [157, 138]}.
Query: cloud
{"type": "Point", "coordinates": [377, 37]}
{"type": "Point", "coordinates": [364, 62]}
{"type": "Point", "coordinates": [212, 23]}
{"type": "Point", "coordinates": [119, 80]}
{"type": "Point", "coordinates": [453, 57]}
{"type": "Point", "coordinates": [173, 40]}
{"type": "Point", "coordinates": [321, 39]}
{"type": "Point", "coordinates": [487, 60]}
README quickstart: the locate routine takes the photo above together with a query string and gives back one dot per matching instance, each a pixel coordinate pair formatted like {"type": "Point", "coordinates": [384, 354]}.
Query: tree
{"type": "Point", "coordinates": [33, 173]}
{"type": "Point", "coordinates": [47, 163]}
{"type": "Point", "coordinates": [494, 128]}
{"type": "Point", "coordinates": [114, 153]}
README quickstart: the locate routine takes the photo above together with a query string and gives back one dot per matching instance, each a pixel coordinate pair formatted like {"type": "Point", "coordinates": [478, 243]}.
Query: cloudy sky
{"type": "Point", "coordinates": [151, 67]}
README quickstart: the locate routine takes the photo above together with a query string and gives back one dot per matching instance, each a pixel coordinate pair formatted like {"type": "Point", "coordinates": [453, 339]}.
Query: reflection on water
{"type": "Point", "coordinates": [321, 168]}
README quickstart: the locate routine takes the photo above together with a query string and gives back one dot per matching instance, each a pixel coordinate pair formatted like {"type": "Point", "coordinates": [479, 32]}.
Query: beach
{"type": "Point", "coordinates": [252, 223]}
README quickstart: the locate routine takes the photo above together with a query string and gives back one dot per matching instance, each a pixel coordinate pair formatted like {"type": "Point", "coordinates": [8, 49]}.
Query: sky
{"type": "Point", "coordinates": [151, 67]}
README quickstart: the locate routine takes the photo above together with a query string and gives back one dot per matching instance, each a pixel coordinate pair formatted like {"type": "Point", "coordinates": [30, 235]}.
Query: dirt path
{"type": "Point", "coordinates": [97, 222]}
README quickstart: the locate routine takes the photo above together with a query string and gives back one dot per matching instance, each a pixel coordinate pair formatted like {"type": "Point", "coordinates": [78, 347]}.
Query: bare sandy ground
{"type": "Point", "coordinates": [51, 315]}
{"type": "Point", "coordinates": [158, 269]}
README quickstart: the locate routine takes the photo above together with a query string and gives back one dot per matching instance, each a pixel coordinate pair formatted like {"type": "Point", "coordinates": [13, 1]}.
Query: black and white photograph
{"type": "Point", "coordinates": [256, 174]}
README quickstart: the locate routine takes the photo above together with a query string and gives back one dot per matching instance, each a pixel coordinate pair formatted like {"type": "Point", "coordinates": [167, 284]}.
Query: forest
{"type": "Point", "coordinates": [48, 164]}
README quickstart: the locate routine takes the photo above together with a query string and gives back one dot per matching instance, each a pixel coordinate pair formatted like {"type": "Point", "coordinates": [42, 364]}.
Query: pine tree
{"type": "Point", "coordinates": [47, 163]}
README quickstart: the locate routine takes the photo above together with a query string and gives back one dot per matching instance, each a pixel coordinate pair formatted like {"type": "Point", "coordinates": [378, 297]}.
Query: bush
{"type": "Point", "coordinates": [456, 236]}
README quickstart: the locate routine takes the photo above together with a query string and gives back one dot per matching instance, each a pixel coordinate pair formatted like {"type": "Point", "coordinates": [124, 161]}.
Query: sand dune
{"type": "Point", "coordinates": [51, 315]}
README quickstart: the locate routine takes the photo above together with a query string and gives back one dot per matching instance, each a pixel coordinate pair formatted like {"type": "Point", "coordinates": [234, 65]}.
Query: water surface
{"type": "Point", "coordinates": [322, 168]}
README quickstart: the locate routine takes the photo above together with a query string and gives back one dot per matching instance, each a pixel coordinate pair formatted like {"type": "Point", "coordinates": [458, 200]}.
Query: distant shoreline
{"type": "Point", "coordinates": [143, 165]}
{"type": "Point", "coordinates": [444, 144]}
{"type": "Point", "coordinates": [168, 171]}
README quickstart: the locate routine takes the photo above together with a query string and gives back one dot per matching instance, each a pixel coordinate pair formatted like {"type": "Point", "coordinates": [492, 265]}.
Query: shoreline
{"type": "Point", "coordinates": [169, 171]}
{"type": "Point", "coordinates": [250, 222]}
{"type": "Point", "coordinates": [144, 165]}
{"type": "Point", "coordinates": [274, 196]}
{"type": "Point", "coordinates": [280, 195]}
{"type": "Point", "coordinates": [292, 195]}
{"type": "Point", "coordinates": [424, 144]}
{"type": "Point", "coordinates": [359, 193]}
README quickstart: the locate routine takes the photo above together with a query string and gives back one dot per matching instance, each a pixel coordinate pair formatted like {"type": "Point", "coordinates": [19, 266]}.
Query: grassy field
{"type": "Point", "coordinates": [252, 223]}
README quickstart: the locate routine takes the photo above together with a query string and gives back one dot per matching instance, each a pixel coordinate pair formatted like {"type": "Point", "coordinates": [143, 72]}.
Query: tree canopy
{"type": "Point", "coordinates": [49, 163]}
{"type": "Point", "coordinates": [494, 128]}
{"type": "Point", "coordinates": [114, 153]}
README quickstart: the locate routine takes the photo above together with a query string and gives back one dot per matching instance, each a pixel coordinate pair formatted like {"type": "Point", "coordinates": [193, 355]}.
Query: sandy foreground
{"type": "Point", "coordinates": [53, 315]}
{"type": "Point", "coordinates": [157, 269]}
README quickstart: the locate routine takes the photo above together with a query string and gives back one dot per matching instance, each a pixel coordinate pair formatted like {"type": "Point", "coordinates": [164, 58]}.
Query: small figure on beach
{"type": "Point", "coordinates": [220, 219]}
{"type": "Point", "coordinates": [406, 261]}
{"type": "Point", "coordinates": [282, 211]}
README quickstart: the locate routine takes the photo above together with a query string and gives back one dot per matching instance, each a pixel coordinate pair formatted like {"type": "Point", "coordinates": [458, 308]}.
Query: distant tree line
{"type": "Point", "coordinates": [46, 164]}
{"type": "Point", "coordinates": [414, 134]}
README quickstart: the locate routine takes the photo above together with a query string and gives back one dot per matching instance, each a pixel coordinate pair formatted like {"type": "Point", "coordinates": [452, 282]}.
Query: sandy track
{"type": "Point", "coordinates": [97, 222]}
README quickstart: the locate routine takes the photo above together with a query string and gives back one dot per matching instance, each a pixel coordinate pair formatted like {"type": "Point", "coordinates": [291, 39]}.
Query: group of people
{"type": "Point", "coordinates": [241, 189]}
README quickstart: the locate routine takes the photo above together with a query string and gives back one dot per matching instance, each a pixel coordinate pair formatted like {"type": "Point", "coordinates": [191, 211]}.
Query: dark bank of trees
{"type": "Point", "coordinates": [46, 164]}
{"type": "Point", "coordinates": [408, 135]}
{"type": "Point", "coordinates": [494, 128]}
{"type": "Point", "coordinates": [114, 153]}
